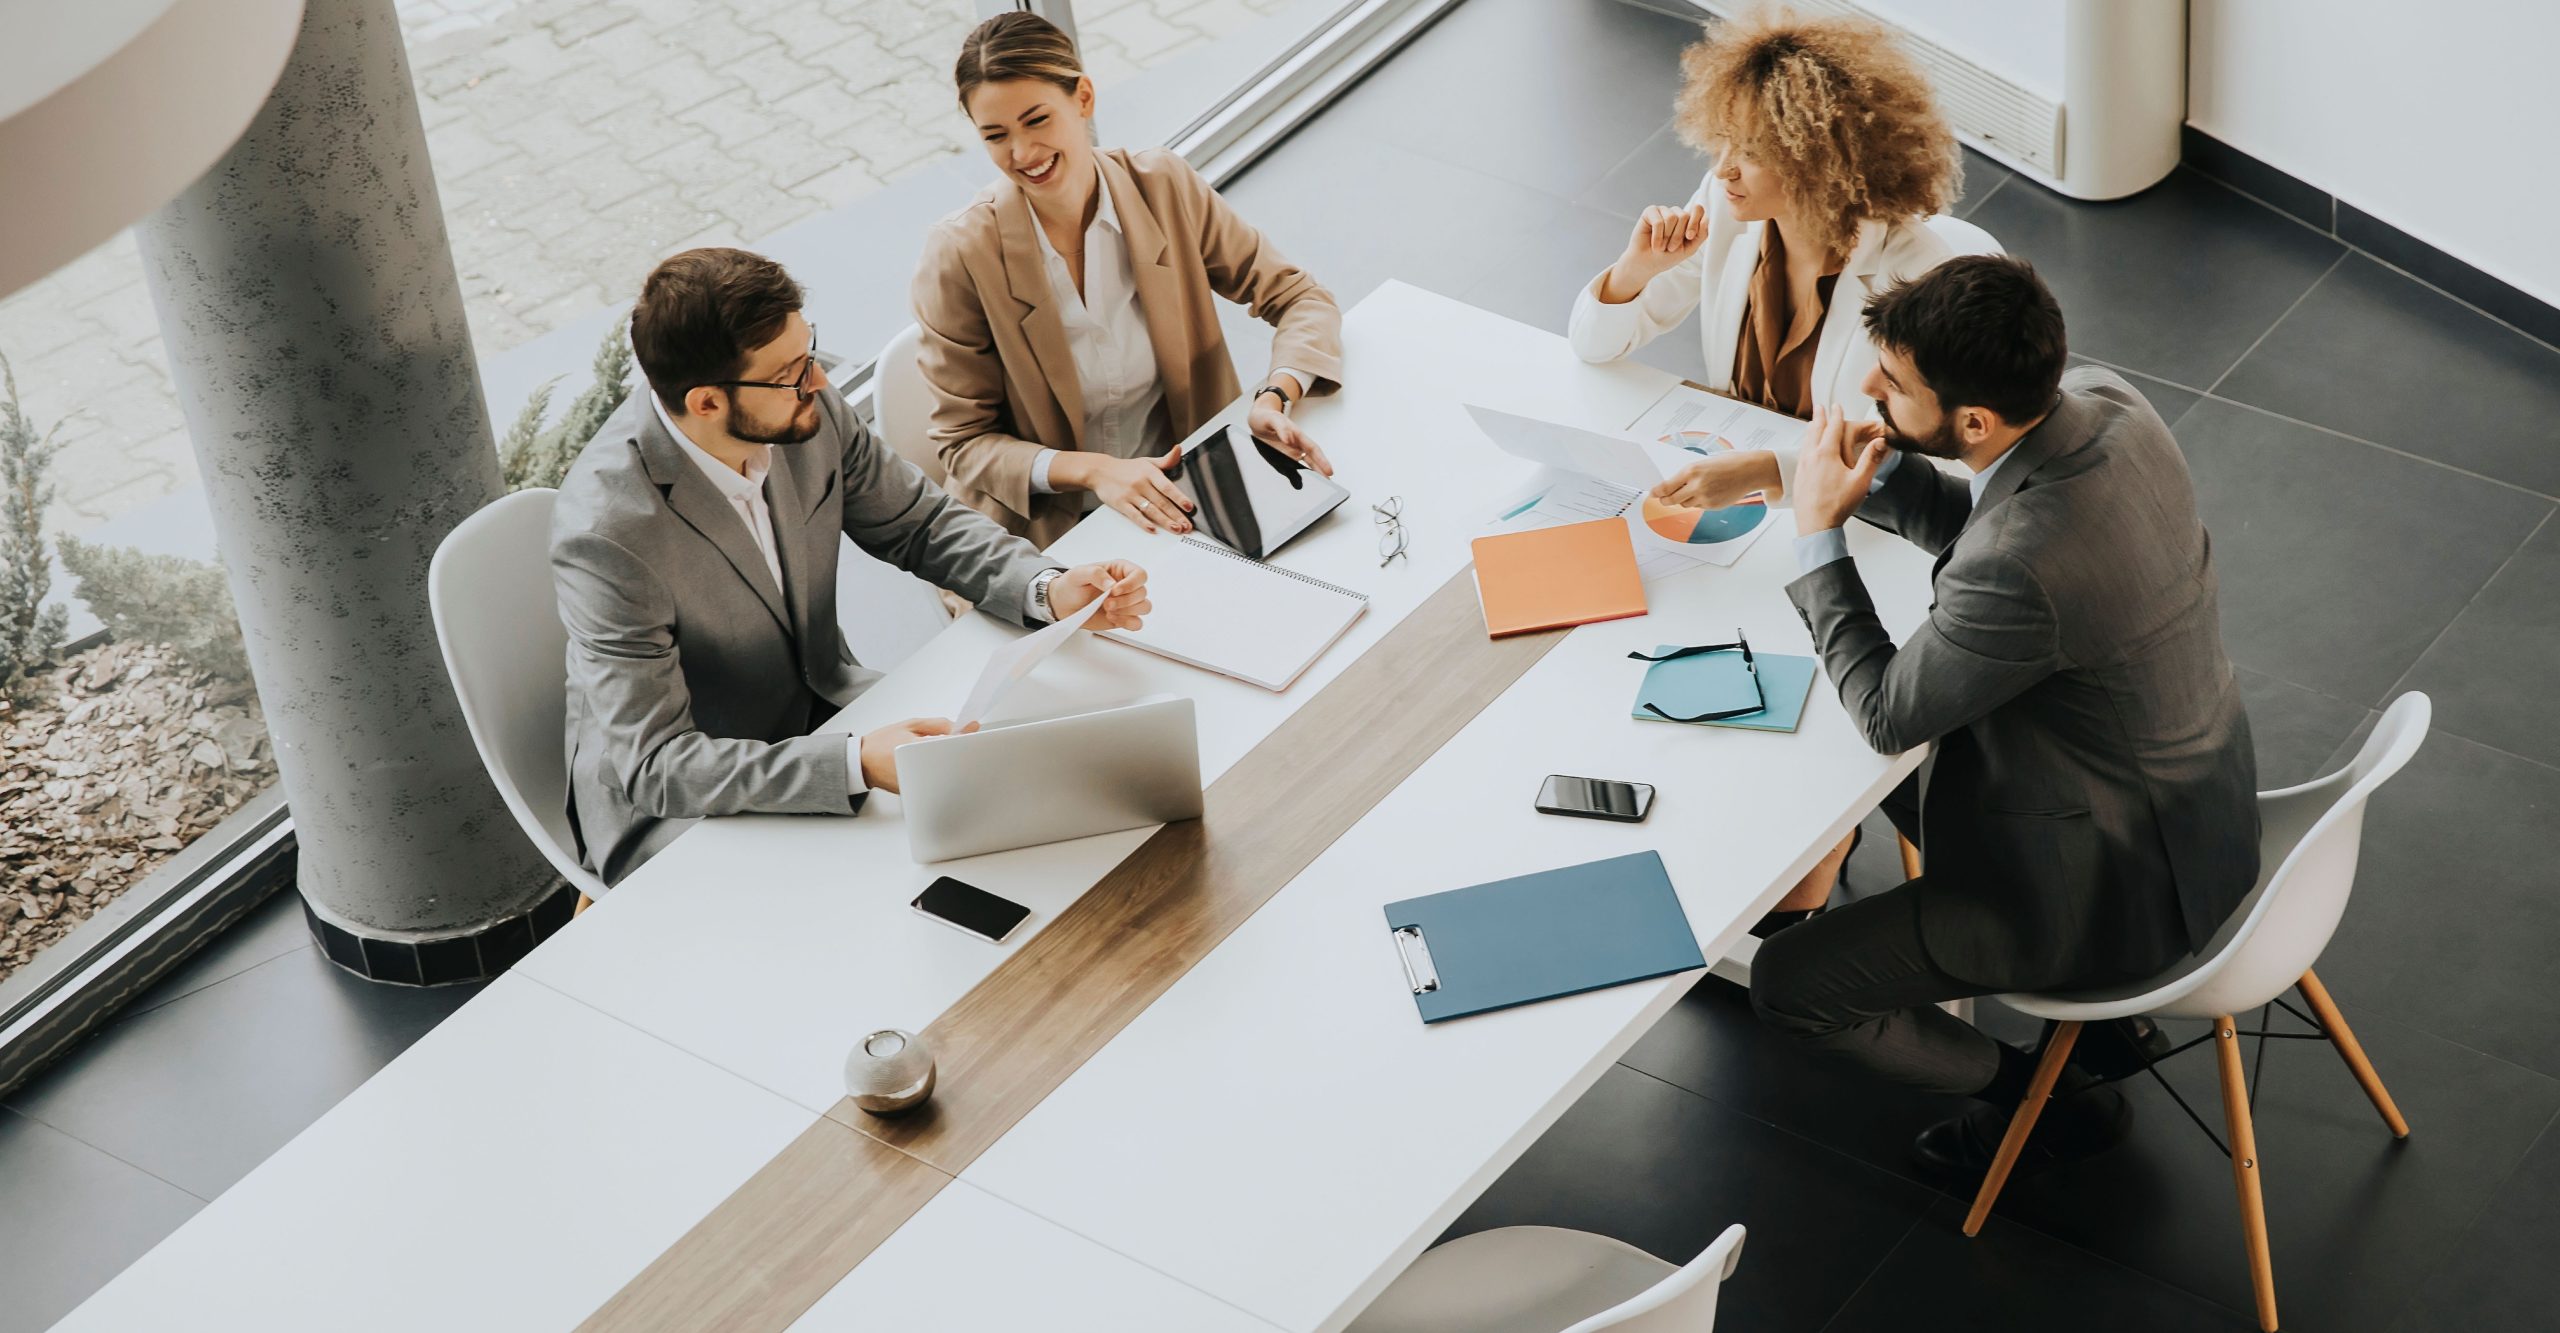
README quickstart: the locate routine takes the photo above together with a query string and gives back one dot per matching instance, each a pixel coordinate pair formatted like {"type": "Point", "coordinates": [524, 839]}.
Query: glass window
{"type": "Point", "coordinates": [131, 729]}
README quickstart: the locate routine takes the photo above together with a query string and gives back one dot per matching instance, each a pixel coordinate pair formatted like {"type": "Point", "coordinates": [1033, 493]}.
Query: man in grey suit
{"type": "Point", "coordinates": [2091, 816]}
{"type": "Point", "coordinates": [693, 548]}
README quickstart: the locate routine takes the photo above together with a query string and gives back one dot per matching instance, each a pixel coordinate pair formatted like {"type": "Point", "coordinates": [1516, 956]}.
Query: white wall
{"type": "Point", "coordinates": [2440, 117]}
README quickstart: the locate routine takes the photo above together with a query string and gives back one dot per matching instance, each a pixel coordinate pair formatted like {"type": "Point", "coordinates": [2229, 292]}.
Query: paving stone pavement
{"type": "Point", "coordinates": [575, 143]}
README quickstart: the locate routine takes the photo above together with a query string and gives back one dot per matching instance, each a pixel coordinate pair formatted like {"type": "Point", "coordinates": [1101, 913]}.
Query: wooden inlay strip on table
{"type": "Point", "coordinates": [795, 1228]}
{"type": "Point", "coordinates": [780, 1241]}
{"type": "Point", "coordinates": [1018, 1034]}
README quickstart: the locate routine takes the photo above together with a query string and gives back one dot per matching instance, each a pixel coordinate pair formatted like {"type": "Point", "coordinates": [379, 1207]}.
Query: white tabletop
{"type": "Point", "coordinates": [1281, 1130]}
{"type": "Point", "coordinates": [969, 1260]}
{"type": "Point", "coordinates": [765, 944]}
{"type": "Point", "coordinates": [512, 1170]}
{"type": "Point", "coordinates": [1276, 1136]}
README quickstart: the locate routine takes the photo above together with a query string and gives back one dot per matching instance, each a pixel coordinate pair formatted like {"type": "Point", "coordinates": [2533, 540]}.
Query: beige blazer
{"type": "Point", "coordinates": [994, 349]}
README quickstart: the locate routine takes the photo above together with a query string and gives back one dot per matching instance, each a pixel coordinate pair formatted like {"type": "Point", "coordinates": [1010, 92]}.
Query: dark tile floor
{"type": "Point", "coordinates": [2378, 465]}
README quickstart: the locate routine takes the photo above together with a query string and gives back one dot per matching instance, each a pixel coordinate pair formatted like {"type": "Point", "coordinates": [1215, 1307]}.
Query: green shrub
{"type": "Point", "coordinates": [30, 631]}
{"type": "Point", "coordinates": [532, 454]}
{"type": "Point", "coordinates": [164, 599]}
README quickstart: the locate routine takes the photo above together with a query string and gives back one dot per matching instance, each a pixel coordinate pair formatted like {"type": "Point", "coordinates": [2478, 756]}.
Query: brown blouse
{"type": "Point", "coordinates": [1773, 360]}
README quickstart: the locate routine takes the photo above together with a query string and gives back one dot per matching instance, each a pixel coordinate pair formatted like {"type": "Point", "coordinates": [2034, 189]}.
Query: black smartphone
{"type": "Point", "coordinates": [971, 908]}
{"type": "Point", "coordinates": [1596, 798]}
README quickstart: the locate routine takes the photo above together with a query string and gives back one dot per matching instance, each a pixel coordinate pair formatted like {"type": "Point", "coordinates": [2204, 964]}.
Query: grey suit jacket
{"type": "Point", "coordinates": [2093, 813]}
{"type": "Point", "coordinates": [693, 681]}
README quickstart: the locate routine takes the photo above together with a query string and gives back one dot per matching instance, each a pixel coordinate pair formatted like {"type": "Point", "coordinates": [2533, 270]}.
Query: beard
{"type": "Point", "coordinates": [791, 431]}
{"type": "Point", "coordinates": [1940, 443]}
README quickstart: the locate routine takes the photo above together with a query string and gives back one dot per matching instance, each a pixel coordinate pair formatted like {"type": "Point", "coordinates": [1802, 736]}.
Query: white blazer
{"type": "Point", "coordinates": [1885, 253]}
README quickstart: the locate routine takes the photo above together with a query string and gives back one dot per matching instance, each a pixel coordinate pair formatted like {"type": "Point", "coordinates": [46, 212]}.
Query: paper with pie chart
{"type": "Point", "coordinates": [1695, 421]}
{"type": "Point", "coordinates": [1586, 475]}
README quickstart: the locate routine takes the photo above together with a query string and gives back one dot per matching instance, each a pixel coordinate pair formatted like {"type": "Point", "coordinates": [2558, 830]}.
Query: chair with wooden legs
{"type": "Point", "coordinates": [2309, 839]}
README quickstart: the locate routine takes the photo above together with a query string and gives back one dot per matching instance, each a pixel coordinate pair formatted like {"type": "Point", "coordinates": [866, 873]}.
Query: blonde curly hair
{"type": "Point", "coordinates": [1833, 106]}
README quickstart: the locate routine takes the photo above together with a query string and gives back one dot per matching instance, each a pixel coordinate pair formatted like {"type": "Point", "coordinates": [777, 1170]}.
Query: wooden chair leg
{"type": "Point", "coordinates": [2352, 1051]}
{"type": "Point", "coordinates": [584, 902]}
{"type": "Point", "coordinates": [2244, 1167]}
{"type": "Point", "coordinates": [1910, 858]}
{"type": "Point", "coordinates": [2022, 1122]}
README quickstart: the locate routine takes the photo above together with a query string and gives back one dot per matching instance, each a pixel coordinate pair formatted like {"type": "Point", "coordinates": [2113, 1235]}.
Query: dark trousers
{"type": "Point", "coordinates": [1857, 983]}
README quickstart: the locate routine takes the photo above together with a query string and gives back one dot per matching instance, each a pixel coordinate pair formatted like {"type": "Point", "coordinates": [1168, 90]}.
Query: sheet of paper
{"type": "Point", "coordinates": [1683, 416]}
{"type": "Point", "coordinates": [1556, 497]}
{"type": "Point", "coordinates": [1588, 475]}
{"type": "Point", "coordinates": [1685, 423]}
{"type": "Point", "coordinates": [1009, 664]}
{"type": "Point", "coordinates": [1569, 448]}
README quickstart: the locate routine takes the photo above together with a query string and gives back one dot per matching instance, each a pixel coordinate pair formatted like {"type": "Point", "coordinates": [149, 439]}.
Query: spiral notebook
{"type": "Point", "coordinates": [1235, 615]}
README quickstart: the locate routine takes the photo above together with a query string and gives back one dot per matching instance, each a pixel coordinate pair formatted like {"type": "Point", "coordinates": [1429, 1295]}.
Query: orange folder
{"type": "Point", "coordinates": [1549, 578]}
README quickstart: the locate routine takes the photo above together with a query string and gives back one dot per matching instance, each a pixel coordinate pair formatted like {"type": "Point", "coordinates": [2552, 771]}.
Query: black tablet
{"type": "Point", "coordinates": [1252, 497]}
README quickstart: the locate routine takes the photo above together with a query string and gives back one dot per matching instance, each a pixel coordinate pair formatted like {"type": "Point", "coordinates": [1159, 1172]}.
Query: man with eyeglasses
{"type": "Point", "coordinates": [693, 549]}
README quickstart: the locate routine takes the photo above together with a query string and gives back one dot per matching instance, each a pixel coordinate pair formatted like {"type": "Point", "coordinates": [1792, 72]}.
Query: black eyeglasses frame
{"type": "Point", "coordinates": [1750, 667]}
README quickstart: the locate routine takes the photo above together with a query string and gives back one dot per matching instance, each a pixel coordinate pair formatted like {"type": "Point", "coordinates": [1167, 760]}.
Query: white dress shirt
{"type": "Point", "coordinates": [1107, 335]}
{"type": "Point", "coordinates": [744, 492]}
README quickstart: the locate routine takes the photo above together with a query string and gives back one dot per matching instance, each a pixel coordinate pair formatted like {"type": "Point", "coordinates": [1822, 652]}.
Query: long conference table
{"type": "Point", "coordinates": [1193, 1092]}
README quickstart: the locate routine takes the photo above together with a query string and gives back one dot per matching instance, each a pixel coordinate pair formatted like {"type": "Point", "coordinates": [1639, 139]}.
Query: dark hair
{"type": "Point", "coordinates": [701, 313]}
{"type": "Point", "coordinates": [1012, 46]}
{"type": "Point", "coordinates": [1982, 330]}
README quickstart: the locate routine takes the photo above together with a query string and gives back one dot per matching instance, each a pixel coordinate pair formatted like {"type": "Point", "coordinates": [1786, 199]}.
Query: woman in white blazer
{"type": "Point", "coordinates": [1831, 157]}
{"type": "Point", "coordinates": [1831, 162]}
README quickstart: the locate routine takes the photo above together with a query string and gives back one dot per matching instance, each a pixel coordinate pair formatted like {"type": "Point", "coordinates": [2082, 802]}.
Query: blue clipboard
{"type": "Point", "coordinates": [1535, 937]}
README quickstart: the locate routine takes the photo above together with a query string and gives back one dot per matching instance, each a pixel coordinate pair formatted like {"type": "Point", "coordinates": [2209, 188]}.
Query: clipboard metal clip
{"type": "Point", "coordinates": [1415, 953]}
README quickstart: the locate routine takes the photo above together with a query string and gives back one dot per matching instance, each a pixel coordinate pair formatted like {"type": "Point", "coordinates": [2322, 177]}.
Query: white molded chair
{"type": "Point", "coordinates": [902, 403]}
{"type": "Point", "coordinates": [2309, 838]}
{"type": "Point", "coordinates": [1551, 1280]}
{"type": "Point", "coordinates": [489, 588]}
{"type": "Point", "coordinates": [1963, 237]}
{"type": "Point", "coordinates": [886, 612]}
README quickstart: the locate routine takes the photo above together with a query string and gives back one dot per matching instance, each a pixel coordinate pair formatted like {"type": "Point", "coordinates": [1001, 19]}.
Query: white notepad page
{"type": "Point", "coordinates": [1237, 616]}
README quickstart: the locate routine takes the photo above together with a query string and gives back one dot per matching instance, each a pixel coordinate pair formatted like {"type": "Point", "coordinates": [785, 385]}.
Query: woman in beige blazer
{"type": "Point", "coordinates": [1069, 335]}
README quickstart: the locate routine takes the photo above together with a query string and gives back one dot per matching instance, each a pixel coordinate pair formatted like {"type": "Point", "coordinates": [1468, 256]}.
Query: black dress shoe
{"type": "Point", "coordinates": [1770, 923]}
{"type": "Point", "coordinates": [2073, 1128]}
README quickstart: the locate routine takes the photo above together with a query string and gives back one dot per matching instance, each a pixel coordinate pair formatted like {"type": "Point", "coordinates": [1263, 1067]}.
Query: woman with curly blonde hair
{"type": "Point", "coordinates": [1830, 155]}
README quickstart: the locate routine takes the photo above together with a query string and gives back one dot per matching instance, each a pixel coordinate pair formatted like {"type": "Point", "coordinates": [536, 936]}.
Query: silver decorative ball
{"type": "Point", "coordinates": [889, 1071]}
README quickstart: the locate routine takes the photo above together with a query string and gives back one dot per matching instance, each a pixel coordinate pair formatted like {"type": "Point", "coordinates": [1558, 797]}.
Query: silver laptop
{"type": "Point", "coordinates": [1018, 784]}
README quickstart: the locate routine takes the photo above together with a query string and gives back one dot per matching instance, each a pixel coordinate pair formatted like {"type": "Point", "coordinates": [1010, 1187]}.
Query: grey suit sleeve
{"type": "Point", "coordinates": [624, 669]}
{"type": "Point", "coordinates": [1923, 505]}
{"type": "Point", "coordinates": [895, 512]}
{"type": "Point", "coordinates": [1991, 636]}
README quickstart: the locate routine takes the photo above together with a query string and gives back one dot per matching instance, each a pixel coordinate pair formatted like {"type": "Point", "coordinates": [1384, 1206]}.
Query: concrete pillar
{"type": "Point", "coordinates": [315, 328]}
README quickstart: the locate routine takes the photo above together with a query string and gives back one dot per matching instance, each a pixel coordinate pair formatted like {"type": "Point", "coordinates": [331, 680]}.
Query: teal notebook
{"type": "Point", "coordinates": [1713, 682]}
{"type": "Point", "coordinates": [1535, 937]}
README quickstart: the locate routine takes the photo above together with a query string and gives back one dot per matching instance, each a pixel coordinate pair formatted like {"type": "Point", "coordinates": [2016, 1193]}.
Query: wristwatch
{"type": "Point", "coordinates": [1040, 592]}
{"type": "Point", "coordinates": [1285, 402]}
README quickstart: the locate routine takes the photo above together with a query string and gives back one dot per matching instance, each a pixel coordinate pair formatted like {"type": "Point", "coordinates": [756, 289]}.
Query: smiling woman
{"type": "Point", "coordinates": [1067, 329]}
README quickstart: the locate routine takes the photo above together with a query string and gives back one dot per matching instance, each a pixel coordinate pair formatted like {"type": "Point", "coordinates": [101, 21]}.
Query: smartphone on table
{"type": "Point", "coordinates": [970, 908]}
{"type": "Point", "coordinates": [1595, 798]}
